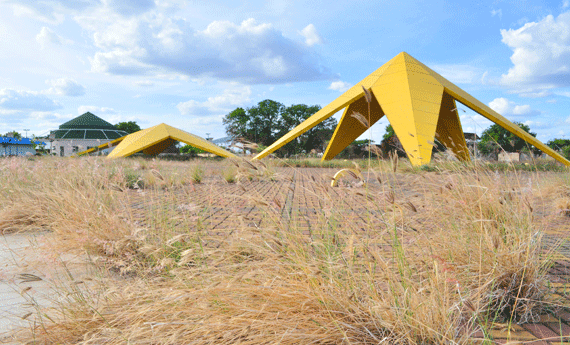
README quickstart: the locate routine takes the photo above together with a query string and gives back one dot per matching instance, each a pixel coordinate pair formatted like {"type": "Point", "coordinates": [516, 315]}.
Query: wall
{"type": "Point", "coordinates": [16, 150]}
{"type": "Point", "coordinates": [81, 144]}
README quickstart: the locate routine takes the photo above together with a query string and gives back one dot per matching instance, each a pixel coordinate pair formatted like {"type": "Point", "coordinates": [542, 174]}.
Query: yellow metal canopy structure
{"type": "Point", "coordinates": [419, 104]}
{"type": "Point", "coordinates": [156, 139]}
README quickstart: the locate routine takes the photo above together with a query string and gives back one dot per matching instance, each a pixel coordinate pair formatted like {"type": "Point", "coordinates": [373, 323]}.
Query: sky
{"type": "Point", "coordinates": [189, 63]}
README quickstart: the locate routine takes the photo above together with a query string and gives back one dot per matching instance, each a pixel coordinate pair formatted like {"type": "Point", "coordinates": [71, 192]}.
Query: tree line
{"type": "Point", "coordinates": [269, 120]}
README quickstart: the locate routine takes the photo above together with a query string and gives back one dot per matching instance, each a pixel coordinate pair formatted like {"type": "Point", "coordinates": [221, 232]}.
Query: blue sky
{"type": "Point", "coordinates": [188, 63]}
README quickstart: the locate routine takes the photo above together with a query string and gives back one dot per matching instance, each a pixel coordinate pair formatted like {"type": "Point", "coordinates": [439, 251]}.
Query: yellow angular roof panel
{"type": "Point", "coordinates": [155, 139]}
{"type": "Point", "coordinates": [420, 106]}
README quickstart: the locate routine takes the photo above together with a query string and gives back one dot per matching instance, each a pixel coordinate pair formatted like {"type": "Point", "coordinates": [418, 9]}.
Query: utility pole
{"type": "Point", "coordinates": [26, 130]}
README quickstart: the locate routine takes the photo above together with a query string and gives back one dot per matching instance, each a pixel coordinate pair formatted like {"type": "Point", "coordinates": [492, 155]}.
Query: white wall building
{"type": "Point", "coordinates": [82, 133]}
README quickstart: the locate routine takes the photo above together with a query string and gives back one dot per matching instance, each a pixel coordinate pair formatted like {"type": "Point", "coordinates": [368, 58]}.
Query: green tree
{"type": "Point", "coordinates": [269, 120]}
{"type": "Point", "coordinates": [389, 133]}
{"type": "Point", "coordinates": [497, 138]}
{"type": "Point", "coordinates": [258, 124]}
{"type": "Point", "coordinates": [314, 138]}
{"type": "Point", "coordinates": [129, 127]}
{"type": "Point", "coordinates": [566, 152]}
{"type": "Point", "coordinates": [357, 149]}
{"type": "Point", "coordinates": [189, 149]}
{"type": "Point", "coordinates": [13, 134]}
{"type": "Point", "coordinates": [390, 142]}
{"type": "Point", "coordinates": [558, 144]}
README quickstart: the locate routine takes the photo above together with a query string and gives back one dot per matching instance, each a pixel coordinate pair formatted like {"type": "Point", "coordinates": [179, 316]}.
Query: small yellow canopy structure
{"type": "Point", "coordinates": [156, 139]}
{"type": "Point", "coordinates": [420, 106]}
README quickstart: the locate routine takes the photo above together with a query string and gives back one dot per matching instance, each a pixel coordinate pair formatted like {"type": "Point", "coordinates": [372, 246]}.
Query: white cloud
{"type": "Point", "coordinates": [231, 97]}
{"type": "Point", "coordinates": [563, 93]}
{"type": "Point", "coordinates": [39, 10]}
{"type": "Point", "coordinates": [460, 73]}
{"type": "Point", "coordinates": [339, 86]}
{"type": "Point", "coordinates": [311, 35]}
{"type": "Point", "coordinates": [474, 123]}
{"type": "Point", "coordinates": [541, 54]}
{"type": "Point", "coordinates": [25, 101]}
{"type": "Point", "coordinates": [484, 77]}
{"type": "Point", "coordinates": [541, 93]}
{"type": "Point", "coordinates": [65, 87]}
{"type": "Point", "coordinates": [145, 83]}
{"type": "Point", "coordinates": [47, 36]}
{"type": "Point", "coordinates": [568, 120]}
{"type": "Point", "coordinates": [537, 124]}
{"type": "Point", "coordinates": [95, 110]}
{"type": "Point", "coordinates": [156, 44]}
{"type": "Point", "coordinates": [498, 13]}
{"type": "Point", "coordinates": [505, 107]}
{"type": "Point", "coordinates": [49, 116]}
{"type": "Point", "coordinates": [565, 4]}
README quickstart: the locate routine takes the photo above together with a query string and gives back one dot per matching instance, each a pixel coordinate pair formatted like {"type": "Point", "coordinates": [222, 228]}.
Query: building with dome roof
{"type": "Point", "coordinates": [82, 133]}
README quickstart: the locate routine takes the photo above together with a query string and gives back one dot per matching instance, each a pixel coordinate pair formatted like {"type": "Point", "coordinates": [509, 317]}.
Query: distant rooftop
{"type": "Point", "coordinates": [87, 126]}
{"type": "Point", "coordinates": [87, 121]}
{"type": "Point", "coordinates": [23, 141]}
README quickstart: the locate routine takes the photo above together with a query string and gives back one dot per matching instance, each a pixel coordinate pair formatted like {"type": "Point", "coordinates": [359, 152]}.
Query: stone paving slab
{"type": "Point", "coordinates": [28, 275]}
{"type": "Point", "coordinates": [295, 198]}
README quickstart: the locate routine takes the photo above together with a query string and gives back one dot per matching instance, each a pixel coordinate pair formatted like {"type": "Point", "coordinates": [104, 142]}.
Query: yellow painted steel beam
{"type": "Point", "coordinates": [420, 106]}
{"type": "Point", "coordinates": [349, 128]}
{"type": "Point", "coordinates": [106, 145]}
{"type": "Point", "coordinates": [449, 131]}
{"type": "Point", "coordinates": [156, 139]}
{"type": "Point", "coordinates": [482, 109]}
{"type": "Point", "coordinates": [350, 96]}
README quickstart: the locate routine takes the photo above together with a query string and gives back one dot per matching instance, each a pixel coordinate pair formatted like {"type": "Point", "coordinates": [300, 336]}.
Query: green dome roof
{"type": "Point", "coordinates": [87, 121]}
{"type": "Point", "coordinates": [87, 126]}
{"type": "Point", "coordinates": [88, 134]}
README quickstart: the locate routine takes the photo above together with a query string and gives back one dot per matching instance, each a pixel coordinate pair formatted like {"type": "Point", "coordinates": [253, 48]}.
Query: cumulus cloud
{"type": "Point", "coordinates": [47, 36]}
{"type": "Point", "coordinates": [474, 123]}
{"type": "Point", "coordinates": [311, 35]}
{"type": "Point", "coordinates": [541, 54]}
{"type": "Point", "coordinates": [25, 101]}
{"type": "Point", "coordinates": [498, 13]}
{"type": "Point", "coordinates": [152, 44]}
{"type": "Point", "coordinates": [340, 86]}
{"type": "Point", "coordinates": [95, 110]}
{"type": "Point", "coordinates": [65, 87]}
{"type": "Point", "coordinates": [460, 73]}
{"type": "Point", "coordinates": [231, 97]}
{"type": "Point", "coordinates": [505, 107]}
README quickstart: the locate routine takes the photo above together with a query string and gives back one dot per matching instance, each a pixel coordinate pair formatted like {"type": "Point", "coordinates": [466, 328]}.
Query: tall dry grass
{"type": "Point", "coordinates": [441, 256]}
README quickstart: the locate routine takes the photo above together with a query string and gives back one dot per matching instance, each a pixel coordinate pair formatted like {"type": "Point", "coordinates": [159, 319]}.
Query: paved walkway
{"type": "Point", "coordinates": [294, 198]}
{"type": "Point", "coordinates": [27, 277]}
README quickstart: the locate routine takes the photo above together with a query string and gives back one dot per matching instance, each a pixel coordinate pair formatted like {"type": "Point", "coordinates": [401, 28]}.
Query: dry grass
{"type": "Point", "coordinates": [443, 255]}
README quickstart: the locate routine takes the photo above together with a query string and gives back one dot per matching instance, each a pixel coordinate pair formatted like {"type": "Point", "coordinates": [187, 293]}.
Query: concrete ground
{"type": "Point", "coordinates": [293, 197]}
{"type": "Point", "coordinates": [28, 277]}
